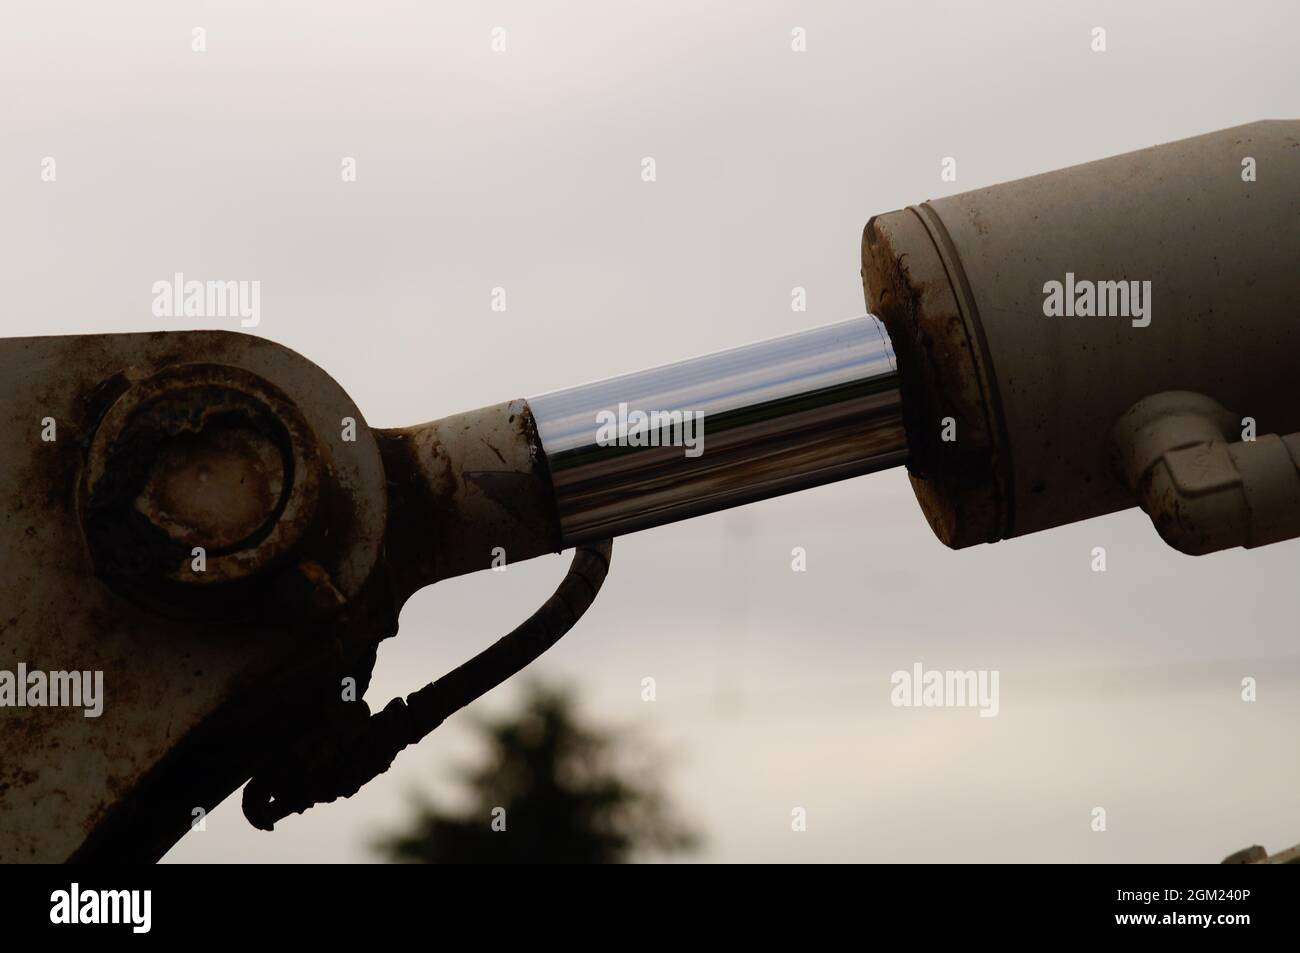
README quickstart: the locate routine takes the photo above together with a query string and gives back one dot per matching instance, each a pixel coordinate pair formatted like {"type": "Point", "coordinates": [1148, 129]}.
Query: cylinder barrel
{"type": "Point", "coordinates": [1027, 317]}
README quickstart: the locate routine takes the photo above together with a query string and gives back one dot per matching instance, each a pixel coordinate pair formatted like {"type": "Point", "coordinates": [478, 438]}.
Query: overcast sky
{"type": "Point", "coordinates": [522, 170]}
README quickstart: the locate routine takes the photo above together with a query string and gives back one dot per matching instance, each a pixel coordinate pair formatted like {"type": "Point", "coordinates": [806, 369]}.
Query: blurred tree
{"type": "Point", "coordinates": [568, 792]}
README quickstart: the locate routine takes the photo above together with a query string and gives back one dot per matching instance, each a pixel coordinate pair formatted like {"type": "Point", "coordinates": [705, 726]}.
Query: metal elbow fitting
{"type": "Point", "coordinates": [1204, 490]}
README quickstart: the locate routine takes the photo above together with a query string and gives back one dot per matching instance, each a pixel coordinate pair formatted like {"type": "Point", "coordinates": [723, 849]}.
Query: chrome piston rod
{"type": "Point", "coordinates": [741, 425]}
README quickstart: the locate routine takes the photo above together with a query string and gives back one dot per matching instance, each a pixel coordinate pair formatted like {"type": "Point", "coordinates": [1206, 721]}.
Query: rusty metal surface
{"type": "Point", "coordinates": [907, 285]}
{"type": "Point", "coordinates": [314, 528]}
{"type": "Point", "coordinates": [199, 455]}
{"type": "Point", "coordinates": [465, 491]}
{"type": "Point", "coordinates": [161, 746]}
{"type": "Point", "coordinates": [1258, 855]}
